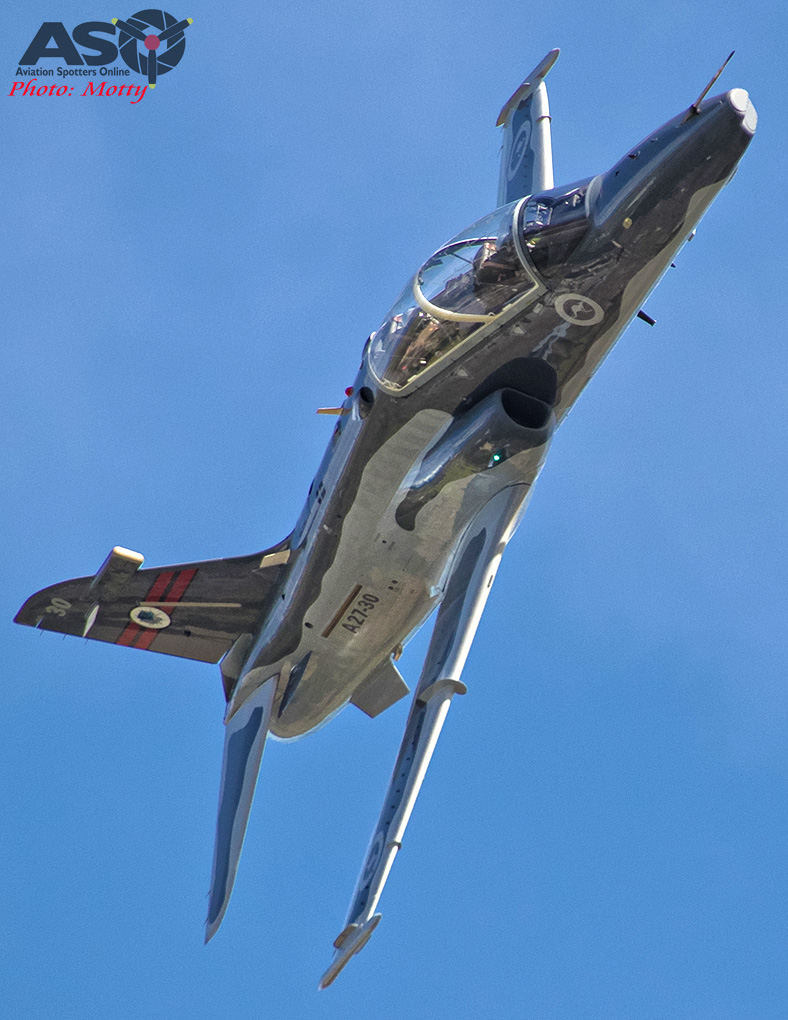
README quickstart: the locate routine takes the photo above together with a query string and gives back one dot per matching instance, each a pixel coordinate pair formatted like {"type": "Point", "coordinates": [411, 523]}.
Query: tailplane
{"type": "Point", "coordinates": [527, 153]}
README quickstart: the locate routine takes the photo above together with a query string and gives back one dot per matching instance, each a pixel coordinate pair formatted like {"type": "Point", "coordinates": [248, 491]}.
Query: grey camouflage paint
{"type": "Point", "coordinates": [642, 211]}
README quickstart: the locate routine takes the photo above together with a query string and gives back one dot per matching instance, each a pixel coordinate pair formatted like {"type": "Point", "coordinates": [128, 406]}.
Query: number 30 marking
{"type": "Point", "coordinates": [58, 607]}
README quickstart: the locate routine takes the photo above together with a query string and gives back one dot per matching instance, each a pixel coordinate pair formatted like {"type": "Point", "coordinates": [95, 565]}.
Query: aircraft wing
{"type": "Point", "coordinates": [244, 741]}
{"type": "Point", "coordinates": [526, 152]}
{"type": "Point", "coordinates": [193, 610]}
{"type": "Point", "coordinates": [470, 579]}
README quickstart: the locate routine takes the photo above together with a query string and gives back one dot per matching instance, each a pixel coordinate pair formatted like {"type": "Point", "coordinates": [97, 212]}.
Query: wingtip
{"type": "Point", "coordinates": [354, 942]}
{"type": "Point", "coordinates": [213, 925]}
{"type": "Point", "coordinates": [212, 928]}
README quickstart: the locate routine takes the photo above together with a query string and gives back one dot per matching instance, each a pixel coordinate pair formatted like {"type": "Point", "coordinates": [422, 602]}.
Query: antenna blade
{"type": "Point", "coordinates": [706, 91]}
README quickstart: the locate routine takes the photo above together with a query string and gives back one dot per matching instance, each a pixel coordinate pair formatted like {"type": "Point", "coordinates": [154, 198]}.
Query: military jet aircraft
{"type": "Point", "coordinates": [428, 472]}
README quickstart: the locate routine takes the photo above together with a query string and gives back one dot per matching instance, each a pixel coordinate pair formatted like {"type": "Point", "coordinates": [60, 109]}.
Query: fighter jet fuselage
{"type": "Point", "coordinates": [458, 395]}
{"type": "Point", "coordinates": [428, 472]}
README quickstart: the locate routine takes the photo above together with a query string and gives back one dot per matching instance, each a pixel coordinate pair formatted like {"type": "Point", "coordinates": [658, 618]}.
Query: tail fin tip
{"type": "Point", "coordinates": [534, 78]}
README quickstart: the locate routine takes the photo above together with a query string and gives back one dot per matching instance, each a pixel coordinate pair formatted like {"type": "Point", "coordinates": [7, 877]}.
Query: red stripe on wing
{"type": "Point", "coordinates": [155, 593]}
{"type": "Point", "coordinates": [175, 595]}
{"type": "Point", "coordinates": [180, 586]}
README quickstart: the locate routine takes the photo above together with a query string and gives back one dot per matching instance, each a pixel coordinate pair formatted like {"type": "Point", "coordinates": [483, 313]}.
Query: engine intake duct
{"type": "Point", "coordinates": [500, 426]}
{"type": "Point", "coordinates": [526, 411]}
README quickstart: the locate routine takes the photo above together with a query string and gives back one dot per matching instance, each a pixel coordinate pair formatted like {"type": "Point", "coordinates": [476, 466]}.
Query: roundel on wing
{"type": "Point", "coordinates": [373, 859]}
{"type": "Point", "coordinates": [150, 617]}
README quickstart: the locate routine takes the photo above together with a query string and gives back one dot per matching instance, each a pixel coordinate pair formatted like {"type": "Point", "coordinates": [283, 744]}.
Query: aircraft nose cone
{"type": "Point", "coordinates": [654, 183]}
{"type": "Point", "coordinates": [739, 99]}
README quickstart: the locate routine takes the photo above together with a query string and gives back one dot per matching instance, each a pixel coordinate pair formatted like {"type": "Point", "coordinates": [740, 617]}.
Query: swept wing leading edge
{"type": "Point", "coordinates": [469, 583]}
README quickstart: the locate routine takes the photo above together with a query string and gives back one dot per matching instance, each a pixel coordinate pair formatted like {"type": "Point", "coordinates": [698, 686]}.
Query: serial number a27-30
{"type": "Point", "coordinates": [428, 472]}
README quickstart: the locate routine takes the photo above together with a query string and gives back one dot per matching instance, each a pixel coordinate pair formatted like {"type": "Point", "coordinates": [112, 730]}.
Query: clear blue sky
{"type": "Point", "coordinates": [602, 835]}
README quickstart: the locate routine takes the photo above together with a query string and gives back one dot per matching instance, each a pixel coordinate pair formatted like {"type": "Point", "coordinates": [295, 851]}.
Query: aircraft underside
{"type": "Point", "coordinates": [427, 474]}
{"type": "Point", "coordinates": [417, 495]}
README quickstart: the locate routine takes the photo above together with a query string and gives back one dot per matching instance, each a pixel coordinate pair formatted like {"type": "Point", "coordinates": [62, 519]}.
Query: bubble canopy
{"type": "Point", "coordinates": [474, 280]}
{"type": "Point", "coordinates": [467, 284]}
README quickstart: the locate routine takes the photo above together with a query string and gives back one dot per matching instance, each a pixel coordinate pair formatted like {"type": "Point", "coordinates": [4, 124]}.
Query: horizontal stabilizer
{"type": "Point", "coordinates": [193, 610]}
{"type": "Point", "coordinates": [244, 741]}
{"type": "Point", "coordinates": [382, 689]}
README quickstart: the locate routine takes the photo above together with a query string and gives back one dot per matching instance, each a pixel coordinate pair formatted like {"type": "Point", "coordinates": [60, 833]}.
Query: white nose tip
{"type": "Point", "coordinates": [740, 101]}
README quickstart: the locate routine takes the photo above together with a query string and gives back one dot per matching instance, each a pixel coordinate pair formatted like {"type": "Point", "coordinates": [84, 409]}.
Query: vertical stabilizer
{"type": "Point", "coordinates": [527, 152]}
